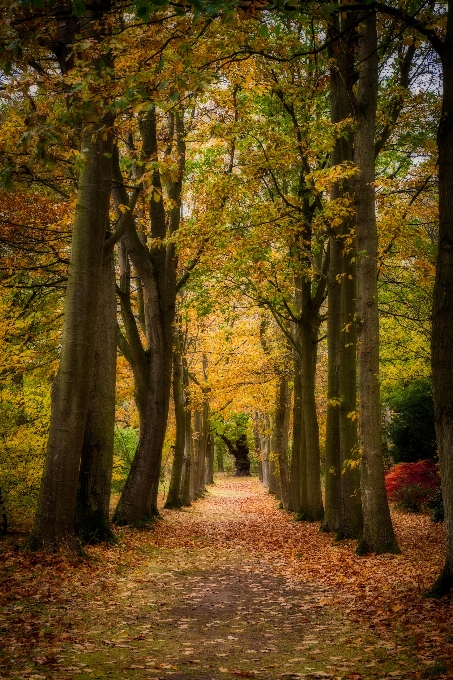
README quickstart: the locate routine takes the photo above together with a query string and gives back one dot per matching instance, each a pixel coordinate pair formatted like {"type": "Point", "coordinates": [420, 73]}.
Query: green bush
{"type": "Point", "coordinates": [436, 505]}
{"type": "Point", "coordinates": [412, 428]}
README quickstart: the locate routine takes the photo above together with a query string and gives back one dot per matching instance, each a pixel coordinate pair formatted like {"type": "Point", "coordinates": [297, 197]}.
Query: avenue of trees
{"type": "Point", "coordinates": [227, 227]}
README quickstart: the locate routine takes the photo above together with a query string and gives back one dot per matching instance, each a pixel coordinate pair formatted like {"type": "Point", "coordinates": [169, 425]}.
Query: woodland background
{"type": "Point", "coordinates": [205, 210]}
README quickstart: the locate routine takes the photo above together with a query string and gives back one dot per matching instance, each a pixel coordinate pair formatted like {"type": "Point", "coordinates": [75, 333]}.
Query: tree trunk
{"type": "Point", "coordinates": [378, 535]}
{"type": "Point", "coordinates": [314, 509]}
{"type": "Point", "coordinates": [203, 436]}
{"type": "Point", "coordinates": [240, 451]}
{"type": "Point", "coordinates": [281, 437]}
{"type": "Point", "coordinates": [157, 269]}
{"type": "Point", "coordinates": [349, 521]}
{"type": "Point", "coordinates": [131, 346]}
{"type": "Point", "coordinates": [95, 474]}
{"type": "Point", "coordinates": [179, 397]}
{"type": "Point", "coordinates": [210, 460]}
{"type": "Point", "coordinates": [187, 492]}
{"type": "Point", "coordinates": [332, 518]}
{"type": "Point", "coordinates": [442, 334]}
{"type": "Point", "coordinates": [257, 442]}
{"type": "Point", "coordinates": [295, 476]}
{"type": "Point", "coordinates": [274, 474]}
{"type": "Point", "coordinates": [54, 524]}
{"type": "Point", "coordinates": [265, 448]}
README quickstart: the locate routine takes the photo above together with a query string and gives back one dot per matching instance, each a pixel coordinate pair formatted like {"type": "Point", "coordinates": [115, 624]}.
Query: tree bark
{"type": "Point", "coordinates": [257, 442]}
{"type": "Point", "coordinates": [210, 460]}
{"type": "Point", "coordinates": [332, 517]}
{"type": "Point", "coordinates": [240, 451]}
{"type": "Point", "coordinates": [157, 269]}
{"type": "Point", "coordinates": [266, 448]}
{"type": "Point", "coordinates": [298, 434]}
{"type": "Point", "coordinates": [274, 476]}
{"type": "Point", "coordinates": [378, 535]}
{"type": "Point", "coordinates": [179, 398]}
{"type": "Point", "coordinates": [313, 510]}
{"type": "Point", "coordinates": [187, 491]}
{"type": "Point", "coordinates": [95, 474]}
{"type": "Point", "coordinates": [54, 524]}
{"type": "Point", "coordinates": [281, 437]}
{"type": "Point", "coordinates": [349, 520]}
{"type": "Point", "coordinates": [442, 333]}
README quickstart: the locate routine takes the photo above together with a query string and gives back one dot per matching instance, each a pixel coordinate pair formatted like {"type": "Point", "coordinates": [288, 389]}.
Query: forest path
{"type": "Point", "coordinates": [232, 587]}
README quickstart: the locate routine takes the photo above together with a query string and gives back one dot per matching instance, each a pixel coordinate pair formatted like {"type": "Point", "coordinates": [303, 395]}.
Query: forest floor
{"type": "Point", "coordinates": [232, 587]}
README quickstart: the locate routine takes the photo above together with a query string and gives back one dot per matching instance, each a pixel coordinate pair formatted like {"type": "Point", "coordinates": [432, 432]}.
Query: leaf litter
{"type": "Point", "coordinates": [232, 587]}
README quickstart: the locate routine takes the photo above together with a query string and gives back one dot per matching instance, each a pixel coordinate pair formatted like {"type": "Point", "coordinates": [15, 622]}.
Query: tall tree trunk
{"type": "Point", "coordinates": [54, 524]}
{"type": "Point", "coordinates": [265, 447]}
{"type": "Point", "coordinates": [95, 474]}
{"type": "Point", "coordinates": [203, 437]}
{"type": "Point", "coordinates": [349, 521]}
{"type": "Point", "coordinates": [179, 398]}
{"type": "Point", "coordinates": [442, 334]}
{"type": "Point", "coordinates": [274, 473]}
{"type": "Point", "coordinates": [295, 476]}
{"type": "Point", "coordinates": [187, 491]}
{"type": "Point", "coordinates": [314, 509]}
{"type": "Point", "coordinates": [332, 517]}
{"type": "Point", "coordinates": [257, 441]}
{"type": "Point", "coordinates": [378, 535]}
{"type": "Point", "coordinates": [281, 437]}
{"type": "Point", "coordinates": [210, 460]}
{"type": "Point", "coordinates": [131, 346]}
{"type": "Point", "coordinates": [157, 269]}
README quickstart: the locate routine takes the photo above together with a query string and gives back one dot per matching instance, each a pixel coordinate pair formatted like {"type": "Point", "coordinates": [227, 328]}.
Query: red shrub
{"type": "Point", "coordinates": [412, 485]}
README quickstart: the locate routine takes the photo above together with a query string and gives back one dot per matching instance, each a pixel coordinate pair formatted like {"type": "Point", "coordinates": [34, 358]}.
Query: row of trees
{"type": "Point", "coordinates": [213, 150]}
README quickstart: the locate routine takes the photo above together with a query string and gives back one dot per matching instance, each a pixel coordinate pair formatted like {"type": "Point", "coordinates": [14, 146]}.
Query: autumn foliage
{"type": "Point", "coordinates": [412, 485]}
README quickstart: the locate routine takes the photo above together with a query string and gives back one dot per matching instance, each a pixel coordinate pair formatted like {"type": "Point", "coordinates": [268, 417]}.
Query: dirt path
{"type": "Point", "coordinates": [232, 587]}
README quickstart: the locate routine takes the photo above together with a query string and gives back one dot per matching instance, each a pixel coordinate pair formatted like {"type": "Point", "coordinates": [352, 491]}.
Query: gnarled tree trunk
{"type": "Point", "coordinates": [240, 451]}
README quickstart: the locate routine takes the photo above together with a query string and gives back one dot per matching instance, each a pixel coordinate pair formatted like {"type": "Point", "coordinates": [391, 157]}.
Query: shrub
{"type": "Point", "coordinates": [412, 429]}
{"type": "Point", "coordinates": [412, 485]}
{"type": "Point", "coordinates": [436, 505]}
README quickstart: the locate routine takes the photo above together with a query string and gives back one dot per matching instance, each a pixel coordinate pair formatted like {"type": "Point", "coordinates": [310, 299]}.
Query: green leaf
{"type": "Point", "coordinates": [78, 8]}
{"type": "Point", "coordinates": [264, 31]}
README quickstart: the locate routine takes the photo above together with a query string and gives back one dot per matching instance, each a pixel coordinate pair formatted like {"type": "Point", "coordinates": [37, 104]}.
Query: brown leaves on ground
{"type": "Point", "coordinates": [232, 587]}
